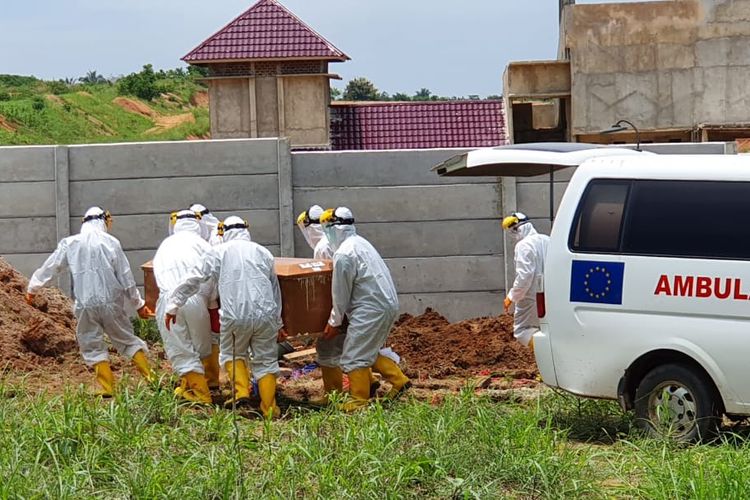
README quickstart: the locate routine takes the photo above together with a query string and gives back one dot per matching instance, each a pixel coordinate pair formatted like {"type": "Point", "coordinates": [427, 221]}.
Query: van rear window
{"type": "Point", "coordinates": [688, 219]}
{"type": "Point", "coordinates": [599, 219]}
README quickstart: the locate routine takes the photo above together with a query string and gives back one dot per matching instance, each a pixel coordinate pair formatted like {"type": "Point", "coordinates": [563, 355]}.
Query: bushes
{"type": "Point", "coordinates": [37, 103]}
{"type": "Point", "coordinates": [142, 84]}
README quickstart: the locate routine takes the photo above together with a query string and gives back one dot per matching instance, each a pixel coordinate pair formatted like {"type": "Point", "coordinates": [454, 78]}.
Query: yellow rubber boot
{"type": "Point", "coordinates": [196, 388]}
{"type": "Point", "coordinates": [211, 367]}
{"type": "Point", "coordinates": [267, 389]}
{"type": "Point", "coordinates": [393, 374]}
{"type": "Point", "coordinates": [333, 380]}
{"type": "Point", "coordinates": [141, 363]}
{"type": "Point", "coordinates": [359, 390]}
{"type": "Point", "coordinates": [105, 379]}
{"type": "Point", "coordinates": [240, 376]}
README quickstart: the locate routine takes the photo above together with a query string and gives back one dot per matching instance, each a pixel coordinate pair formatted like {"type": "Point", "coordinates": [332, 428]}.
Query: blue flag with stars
{"type": "Point", "coordinates": [596, 281]}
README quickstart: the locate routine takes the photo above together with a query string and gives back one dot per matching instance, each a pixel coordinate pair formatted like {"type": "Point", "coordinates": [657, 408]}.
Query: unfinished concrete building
{"type": "Point", "coordinates": [678, 70]}
{"type": "Point", "coordinates": [268, 77]}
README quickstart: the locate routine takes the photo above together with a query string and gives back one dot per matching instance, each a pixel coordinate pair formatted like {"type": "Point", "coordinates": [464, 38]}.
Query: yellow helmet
{"type": "Point", "coordinates": [338, 216]}
{"type": "Point", "coordinates": [303, 219]}
{"type": "Point", "coordinates": [514, 220]}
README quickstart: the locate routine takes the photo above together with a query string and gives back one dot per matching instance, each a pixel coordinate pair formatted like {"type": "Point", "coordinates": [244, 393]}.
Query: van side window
{"type": "Point", "coordinates": [688, 219]}
{"type": "Point", "coordinates": [597, 226]}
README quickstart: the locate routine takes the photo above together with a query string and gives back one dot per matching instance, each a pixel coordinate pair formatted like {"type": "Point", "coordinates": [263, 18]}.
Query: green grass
{"type": "Point", "coordinates": [143, 445]}
{"type": "Point", "coordinates": [82, 114]}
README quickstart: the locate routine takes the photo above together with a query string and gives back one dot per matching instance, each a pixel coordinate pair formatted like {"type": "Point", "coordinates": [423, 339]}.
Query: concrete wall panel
{"type": "Point", "coordinates": [172, 159]}
{"type": "Point", "coordinates": [305, 109]}
{"type": "Point", "coordinates": [533, 198]}
{"type": "Point", "coordinates": [411, 203]}
{"type": "Point", "coordinates": [27, 199]}
{"type": "Point", "coordinates": [375, 168]}
{"type": "Point", "coordinates": [162, 196]}
{"type": "Point", "coordinates": [231, 100]}
{"type": "Point", "coordinates": [434, 239]}
{"type": "Point", "coordinates": [137, 232]}
{"type": "Point", "coordinates": [454, 306]}
{"type": "Point", "coordinates": [27, 164]}
{"type": "Point", "coordinates": [447, 274]}
{"type": "Point", "coordinates": [28, 235]}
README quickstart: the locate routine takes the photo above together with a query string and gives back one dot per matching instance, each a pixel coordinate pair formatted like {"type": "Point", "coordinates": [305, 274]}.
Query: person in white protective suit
{"type": "Point", "coordinates": [528, 256]}
{"type": "Point", "coordinates": [309, 224]}
{"type": "Point", "coordinates": [188, 344]}
{"type": "Point", "coordinates": [210, 232]}
{"type": "Point", "coordinates": [328, 351]}
{"type": "Point", "coordinates": [250, 311]}
{"type": "Point", "coordinates": [208, 222]}
{"type": "Point", "coordinates": [364, 293]}
{"type": "Point", "coordinates": [105, 296]}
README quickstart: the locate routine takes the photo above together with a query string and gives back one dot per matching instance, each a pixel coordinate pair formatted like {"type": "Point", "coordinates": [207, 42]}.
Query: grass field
{"type": "Point", "coordinates": [37, 112]}
{"type": "Point", "coordinates": [144, 445]}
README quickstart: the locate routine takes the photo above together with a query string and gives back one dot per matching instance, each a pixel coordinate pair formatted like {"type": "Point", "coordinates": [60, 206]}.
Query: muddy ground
{"type": "Point", "coordinates": [38, 349]}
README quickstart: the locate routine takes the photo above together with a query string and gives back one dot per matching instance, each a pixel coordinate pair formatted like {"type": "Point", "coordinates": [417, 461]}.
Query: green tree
{"type": "Point", "coordinates": [361, 89]}
{"type": "Point", "coordinates": [335, 94]}
{"type": "Point", "coordinates": [401, 96]}
{"type": "Point", "coordinates": [142, 84]}
{"type": "Point", "coordinates": [92, 77]}
{"type": "Point", "coordinates": [423, 94]}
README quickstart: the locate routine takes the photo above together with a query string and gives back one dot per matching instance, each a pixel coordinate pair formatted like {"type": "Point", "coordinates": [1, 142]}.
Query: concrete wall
{"type": "Point", "coordinates": [662, 65]}
{"type": "Point", "coordinates": [440, 237]}
{"type": "Point", "coordinates": [47, 189]}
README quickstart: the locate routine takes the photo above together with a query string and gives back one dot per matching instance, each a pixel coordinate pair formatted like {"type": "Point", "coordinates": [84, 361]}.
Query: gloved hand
{"type": "Point", "coordinates": [30, 298]}
{"type": "Point", "coordinates": [170, 320]}
{"type": "Point", "coordinates": [507, 303]}
{"type": "Point", "coordinates": [215, 320]}
{"type": "Point", "coordinates": [282, 335]}
{"type": "Point", "coordinates": [144, 312]}
{"type": "Point", "coordinates": [329, 332]}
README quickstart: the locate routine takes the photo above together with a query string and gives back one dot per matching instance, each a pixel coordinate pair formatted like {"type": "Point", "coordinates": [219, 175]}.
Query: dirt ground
{"type": "Point", "coordinates": [38, 349]}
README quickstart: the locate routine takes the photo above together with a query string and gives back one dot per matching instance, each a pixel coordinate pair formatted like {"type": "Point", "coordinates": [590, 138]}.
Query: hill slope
{"type": "Point", "coordinates": [37, 112]}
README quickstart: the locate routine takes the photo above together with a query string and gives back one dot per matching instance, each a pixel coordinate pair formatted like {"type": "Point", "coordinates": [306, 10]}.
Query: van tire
{"type": "Point", "coordinates": [678, 402]}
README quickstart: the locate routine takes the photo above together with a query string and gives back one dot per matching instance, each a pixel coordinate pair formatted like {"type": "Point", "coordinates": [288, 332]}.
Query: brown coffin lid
{"type": "Point", "coordinates": [288, 266]}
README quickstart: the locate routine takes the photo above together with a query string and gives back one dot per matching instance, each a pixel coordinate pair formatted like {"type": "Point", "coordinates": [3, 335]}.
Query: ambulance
{"type": "Point", "coordinates": [646, 292]}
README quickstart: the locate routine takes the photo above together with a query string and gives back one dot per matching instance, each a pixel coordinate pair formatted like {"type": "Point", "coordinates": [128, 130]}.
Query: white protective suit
{"type": "Point", "coordinates": [209, 224]}
{"type": "Point", "coordinates": [250, 300]}
{"type": "Point", "coordinates": [105, 292]}
{"type": "Point", "coordinates": [362, 290]}
{"type": "Point", "coordinates": [528, 256]}
{"type": "Point", "coordinates": [189, 340]}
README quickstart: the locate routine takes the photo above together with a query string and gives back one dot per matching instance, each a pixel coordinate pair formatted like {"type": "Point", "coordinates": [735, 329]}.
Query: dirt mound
{"type": "Point", "coordinates": [32, 337]}
{"type": "Point", "coordinates": [167, 122]}
{"type": "Point", "coordinates": [134, 106]}
{"type": "Point", "coordinates": [6, 125]}
{"type": "Point", "coordinates": [431, 346]}
{"type": "Point", "coordinates": [199, 99]}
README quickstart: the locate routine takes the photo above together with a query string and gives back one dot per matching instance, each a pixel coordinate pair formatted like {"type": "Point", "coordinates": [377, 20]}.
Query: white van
{"type": "Point", "coordinates": [647, 284]}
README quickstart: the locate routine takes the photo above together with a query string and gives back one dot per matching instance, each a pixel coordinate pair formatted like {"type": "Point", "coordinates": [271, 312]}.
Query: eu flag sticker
{"type": "Point", "coordinates": [596, 282]}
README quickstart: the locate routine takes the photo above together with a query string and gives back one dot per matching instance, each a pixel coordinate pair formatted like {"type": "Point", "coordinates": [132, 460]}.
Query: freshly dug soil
{"type": "Point", "coordinates": [431, 346]}
{"type": "Point", "coordinates": [33, 337]}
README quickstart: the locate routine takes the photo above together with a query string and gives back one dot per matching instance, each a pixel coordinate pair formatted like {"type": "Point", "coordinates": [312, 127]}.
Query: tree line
{"type": "Point", "coordinates": [362, 89]}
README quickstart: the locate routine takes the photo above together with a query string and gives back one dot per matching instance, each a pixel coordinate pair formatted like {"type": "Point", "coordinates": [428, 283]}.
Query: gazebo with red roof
{"type": "Point", "coordinates": [268, 77]}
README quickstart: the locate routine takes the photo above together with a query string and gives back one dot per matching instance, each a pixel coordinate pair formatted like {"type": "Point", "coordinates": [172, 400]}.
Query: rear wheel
{"type": "Point", "coordinates": [677, 402]}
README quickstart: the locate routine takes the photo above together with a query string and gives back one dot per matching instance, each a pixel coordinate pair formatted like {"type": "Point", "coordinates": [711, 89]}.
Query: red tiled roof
{"type": "Point", "coordinates": [417, 125]}
{"type": "Point", "coordinates": [267, 30]}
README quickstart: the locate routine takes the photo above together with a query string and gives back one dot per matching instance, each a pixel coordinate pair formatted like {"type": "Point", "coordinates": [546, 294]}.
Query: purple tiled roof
{"type": "Point", "coordinates": [267, 30]}
{"type": "Point", "coordinates": [417, 125]}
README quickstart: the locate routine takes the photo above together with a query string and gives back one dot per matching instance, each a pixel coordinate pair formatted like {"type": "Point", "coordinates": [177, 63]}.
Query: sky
{"type": "Point", "coordinates": [453, 48]}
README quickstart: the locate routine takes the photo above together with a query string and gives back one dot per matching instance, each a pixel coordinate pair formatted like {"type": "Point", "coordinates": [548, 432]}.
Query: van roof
{"type": "Point", "coordinates": [524, 160]}
{"type": "Point", "coordinates": [668, 167]}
